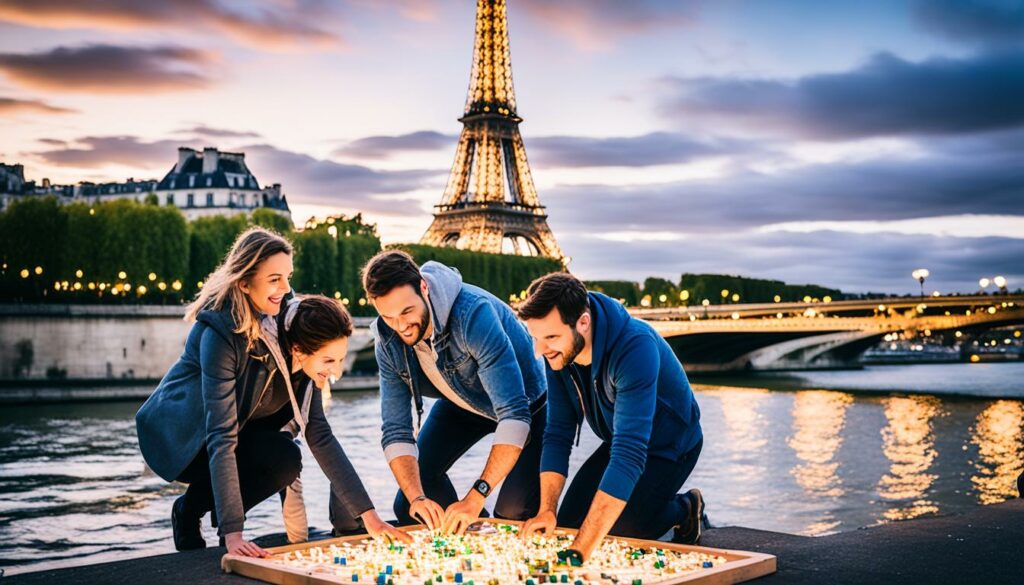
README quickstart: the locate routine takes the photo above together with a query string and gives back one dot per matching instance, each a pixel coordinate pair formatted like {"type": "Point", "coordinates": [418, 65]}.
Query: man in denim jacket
{"type": "Point", "coordinates": [439, 337]}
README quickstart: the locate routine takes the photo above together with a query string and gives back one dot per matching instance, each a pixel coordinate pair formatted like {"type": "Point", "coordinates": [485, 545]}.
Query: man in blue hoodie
{"type": "Point", "coordinates": [619, 375]}
{"type": "Point", "coordinates": [442, 338]}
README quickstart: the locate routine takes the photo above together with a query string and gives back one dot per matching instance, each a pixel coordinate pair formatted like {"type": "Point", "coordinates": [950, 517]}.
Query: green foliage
{"type": "Point", "coordinates": [33, 235]}
{"type": "Point", "coordinates": [627, 290]}
{"type": "Point", "coordinates": [271, 220]}
{"type": "Point", "coordinates": [655, 288]}
{"type": "Point", "coordinates": [330, 255]}
{"type": "Point", "coordinates": [316, 262]}
{"type": "Point", "coordinates": [209, 241]}
{"type": "Point", "coordinates": [503, 275]}
{"type": "Point", "coordinates": [104, 240]}
{"type": "Point", "coordinates": [89, 246]}
{"type": "Point", "coordinates": [751, 290]}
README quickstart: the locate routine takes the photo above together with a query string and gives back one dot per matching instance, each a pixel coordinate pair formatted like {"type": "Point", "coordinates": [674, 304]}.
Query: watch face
{"type": "Point", "coordinates": [482, 487]}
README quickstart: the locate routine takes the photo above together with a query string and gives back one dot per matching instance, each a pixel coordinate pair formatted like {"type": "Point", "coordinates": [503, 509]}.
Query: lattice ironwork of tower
{"type": "Point", "coordinates": [490, 203]}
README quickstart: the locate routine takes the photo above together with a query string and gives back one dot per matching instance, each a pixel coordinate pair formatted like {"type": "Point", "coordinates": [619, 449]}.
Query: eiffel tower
{"type": "Point", "coordinates": [490, 203]}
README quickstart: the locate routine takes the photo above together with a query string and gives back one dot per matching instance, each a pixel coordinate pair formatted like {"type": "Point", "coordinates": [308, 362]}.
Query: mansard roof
{"type": "Point", "coordinates": [228, 172]}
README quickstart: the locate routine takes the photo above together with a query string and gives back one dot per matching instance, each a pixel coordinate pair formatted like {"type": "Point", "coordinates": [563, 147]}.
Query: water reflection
{"type": "Point", "coordinates": [74, 489]}
{"type": "Point", "coordinates": [818, 420]}
{"type": "Point", "coordinates": [746, 439]}
{"type": "Point", "coordinates": [998, 433]}
{"type": "Point", "coordinates": [908, 442]}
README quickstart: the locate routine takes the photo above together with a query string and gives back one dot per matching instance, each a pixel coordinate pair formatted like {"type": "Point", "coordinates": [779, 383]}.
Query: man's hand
{"type": "Point", "coordinates": [428, 511]}
{"type": "Point", "coordinates": [237, 545]}
{"type": "Point", "coordinates": [378, 528]}
{"type": "Point", "coordinates": [461, 514]}
{"type": "Point", "coordinates": [543, 523]}
{"type": "Point", "coordinates": [604, 511]}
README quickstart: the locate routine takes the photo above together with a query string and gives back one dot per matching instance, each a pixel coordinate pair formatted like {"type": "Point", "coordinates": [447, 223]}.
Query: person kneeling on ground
{"type": "Point", "coordinates": [214, 422]}
{"type": "Point", "coordinates": [615, 371]}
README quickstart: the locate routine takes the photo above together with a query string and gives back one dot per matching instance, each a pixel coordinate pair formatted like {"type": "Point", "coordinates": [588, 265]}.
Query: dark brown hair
{"type": "Point", "coordinates": [559, 290]}
{"type": "Point", "coordinates": [388, 270]}
{"type": "Point", "coordinates": [318, 321]}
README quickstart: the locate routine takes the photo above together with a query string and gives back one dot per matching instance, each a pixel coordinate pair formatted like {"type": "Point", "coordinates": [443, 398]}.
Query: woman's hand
{"type": "Point", "coordinates": [237, 545]}
{"type": "Point", "coordinates": [378, 528]}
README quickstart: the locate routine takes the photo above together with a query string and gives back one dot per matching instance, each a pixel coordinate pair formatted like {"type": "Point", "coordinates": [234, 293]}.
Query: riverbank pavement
{"type": "Point", "coordinates": [981, 546]}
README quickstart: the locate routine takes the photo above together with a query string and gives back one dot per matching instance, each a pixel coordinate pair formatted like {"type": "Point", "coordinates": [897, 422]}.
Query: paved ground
{"type": "Point", "coordinates": [983, 546]}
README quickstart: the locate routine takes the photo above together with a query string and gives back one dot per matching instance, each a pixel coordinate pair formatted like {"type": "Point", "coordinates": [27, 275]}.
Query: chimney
{"type": "Point", "coordinates": [46, 183]}
{"type": "Point", "coordinates": [210, 160]}
{"type": "Point", "coordinates": [184, 153]}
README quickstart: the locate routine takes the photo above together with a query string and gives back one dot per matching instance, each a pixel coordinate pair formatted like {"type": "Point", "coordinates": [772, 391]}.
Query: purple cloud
{"type": "Point", "coordinates": [109, 69]}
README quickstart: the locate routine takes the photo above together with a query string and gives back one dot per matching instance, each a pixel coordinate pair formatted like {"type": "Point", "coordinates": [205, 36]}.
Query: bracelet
{"type": "Point", "coordinates": [418, 498]}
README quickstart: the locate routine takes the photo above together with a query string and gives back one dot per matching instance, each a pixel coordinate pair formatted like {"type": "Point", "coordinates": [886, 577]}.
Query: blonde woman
{"type": "Point", "coordinates": [214, 422]}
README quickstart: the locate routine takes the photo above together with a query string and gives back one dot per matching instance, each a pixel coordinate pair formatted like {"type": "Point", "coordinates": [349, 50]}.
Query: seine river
{"type": "Point", "coordinates": [810, 454]}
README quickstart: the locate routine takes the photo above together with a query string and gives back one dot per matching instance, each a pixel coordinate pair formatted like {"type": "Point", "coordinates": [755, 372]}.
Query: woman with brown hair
{"type": "Point", "coordinates": [214, 422]}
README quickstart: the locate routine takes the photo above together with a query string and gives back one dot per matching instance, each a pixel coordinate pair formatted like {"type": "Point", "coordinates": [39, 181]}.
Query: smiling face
{"type": "Point", "coordinates": [325, 363]}
{"type": "Point", "coordinates": [404, 309]}
{"type": "Point", "coordinates": [269, 285]}
{"type": "Point", "coordinates": [559, 343]}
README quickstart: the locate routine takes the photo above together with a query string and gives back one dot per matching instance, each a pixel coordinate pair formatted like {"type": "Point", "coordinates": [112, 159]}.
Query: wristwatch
{"type": "Point", "coordinates": [482, 487]}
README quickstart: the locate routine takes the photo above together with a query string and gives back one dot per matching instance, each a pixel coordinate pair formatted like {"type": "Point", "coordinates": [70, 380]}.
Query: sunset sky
{"type": "Point", "coordinates": [844, 144]}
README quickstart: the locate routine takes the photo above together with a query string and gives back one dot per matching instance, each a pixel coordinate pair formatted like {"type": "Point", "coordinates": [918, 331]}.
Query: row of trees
{"type": "Point", "coordinates": [130, 252]}
{"type": "Point", "coordinates": [505, 276]}
{"type": "Point", "coordinates": [124, 251]}
{"type": "Point", "coordinates": [693, 289]}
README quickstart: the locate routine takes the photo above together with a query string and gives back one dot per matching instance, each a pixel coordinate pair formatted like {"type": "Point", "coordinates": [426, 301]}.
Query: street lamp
{"type": "Point", "coordinates": [920, 275]}
{"type": "Point", "coordinates": [1000, 281]}
{"type": "Point", "coordinates": [983, 283]}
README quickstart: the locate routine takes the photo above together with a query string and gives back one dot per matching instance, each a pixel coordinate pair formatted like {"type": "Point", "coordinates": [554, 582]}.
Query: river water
{"type": "Point", "coordinates": [781, 453]}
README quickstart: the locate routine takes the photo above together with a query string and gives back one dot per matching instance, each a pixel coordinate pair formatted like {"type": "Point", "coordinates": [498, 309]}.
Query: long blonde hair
{"type": "Point", "coordinates": [250, 249]}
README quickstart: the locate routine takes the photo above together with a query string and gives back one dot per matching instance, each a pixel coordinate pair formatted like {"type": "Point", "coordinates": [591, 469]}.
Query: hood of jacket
{"type": "Point", "coordinates": [443, 286]}
{"type": "Point", "coordinates": [609, 321]}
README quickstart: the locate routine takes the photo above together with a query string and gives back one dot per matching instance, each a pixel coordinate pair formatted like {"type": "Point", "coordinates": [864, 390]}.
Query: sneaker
{"type": "Point", "coordinates": [690, 530]}
{"type": "Point", "coordinates": [188, 534]}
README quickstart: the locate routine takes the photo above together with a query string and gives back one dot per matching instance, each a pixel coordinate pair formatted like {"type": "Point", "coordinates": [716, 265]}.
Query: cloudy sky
{"type": "Point", "coordinates": [840, 143]}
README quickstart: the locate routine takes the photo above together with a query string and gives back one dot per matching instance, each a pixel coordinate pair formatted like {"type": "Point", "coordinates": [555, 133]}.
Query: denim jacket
{"type": "Point", "coordinates": [483, 351]}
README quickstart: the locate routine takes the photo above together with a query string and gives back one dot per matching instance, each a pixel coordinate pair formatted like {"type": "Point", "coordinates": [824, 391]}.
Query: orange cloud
{"type": "Point", "coordinates": [16, 106]}
{"type": "Point", "coordinates": [595, 25]}
{"type": "Point", "coordinates": [259, 27]}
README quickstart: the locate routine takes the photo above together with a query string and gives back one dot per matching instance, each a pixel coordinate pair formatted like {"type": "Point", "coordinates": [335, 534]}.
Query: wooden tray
{"type": "Point", "coordinates": [740, 566]}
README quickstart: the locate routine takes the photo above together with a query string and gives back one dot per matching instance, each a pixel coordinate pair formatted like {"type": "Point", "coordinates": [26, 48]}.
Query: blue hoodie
{"type": "Point", "coordinates": [638, 384]}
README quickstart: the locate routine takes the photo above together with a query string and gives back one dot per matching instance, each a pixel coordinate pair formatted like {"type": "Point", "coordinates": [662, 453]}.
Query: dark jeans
{"type": "Point", "coordinates": [268, 461]}
{"type": "Point", "coordinates": [653, 508]}
{"type": "Point", "coordinates": [447, 434]}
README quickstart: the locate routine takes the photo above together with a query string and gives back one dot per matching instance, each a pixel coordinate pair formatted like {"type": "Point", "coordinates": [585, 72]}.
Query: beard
{"type": "Point", "coordinates": [421, 327]}
{"type": "Point", "coordinates": [578, 343]}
